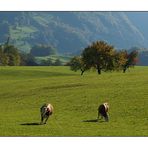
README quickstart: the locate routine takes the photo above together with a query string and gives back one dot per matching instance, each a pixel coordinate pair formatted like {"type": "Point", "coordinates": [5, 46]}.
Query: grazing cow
{"type": "Point", "coordinates": [102, 111]}
{"type": "Point", "coordinates": [46, 110]}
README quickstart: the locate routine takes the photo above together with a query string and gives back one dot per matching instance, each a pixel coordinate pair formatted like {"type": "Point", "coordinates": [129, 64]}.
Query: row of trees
{"type": "Point", "coordinates": [98, 55]}
{"type": "Point", "coordinates": [103, 57]}
{"type": "Point", "coordinates": [49, 62]}
{"type": "Point", "coordinates": [10, 55]}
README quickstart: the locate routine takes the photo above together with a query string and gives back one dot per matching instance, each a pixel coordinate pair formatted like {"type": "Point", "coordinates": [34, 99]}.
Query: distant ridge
{"type": "Point", "coordinates": [70, 32]}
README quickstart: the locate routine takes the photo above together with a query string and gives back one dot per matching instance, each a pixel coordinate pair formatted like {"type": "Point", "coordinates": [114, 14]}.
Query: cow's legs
{"type": "Point", "coordinates": [106, 117]}
{"type": "Point", "coordinates": [42, 118]}
{"type": "Point", "coordinates": [46, 119]}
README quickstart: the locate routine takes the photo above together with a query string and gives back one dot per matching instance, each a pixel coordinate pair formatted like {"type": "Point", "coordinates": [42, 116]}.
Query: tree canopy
{"type": "Point", "coordinates": [99, 55]}
{"type": "Point", "coordinates": [103, 57]}
{"type": "Point", "coordinates": [42, 50]}
{"type": "Point", "coordinates": [9, 55]}
{"type": "Point", "coordinates": [77, 63]}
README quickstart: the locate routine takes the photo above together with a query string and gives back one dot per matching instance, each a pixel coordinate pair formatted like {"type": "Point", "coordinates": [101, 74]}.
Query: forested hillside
{"type": "Point", "coordinates": [69, 32]}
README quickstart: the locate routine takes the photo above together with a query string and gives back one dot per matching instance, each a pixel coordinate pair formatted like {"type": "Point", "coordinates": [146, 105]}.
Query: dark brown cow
{"type": "Point", "coordinates": [103, 111]}
{"type": "Point", "coordinates": [46, 111]}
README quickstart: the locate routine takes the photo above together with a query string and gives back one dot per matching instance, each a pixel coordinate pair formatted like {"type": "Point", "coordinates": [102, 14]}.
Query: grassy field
{"type": "Point", "coordinates": [75, 99]}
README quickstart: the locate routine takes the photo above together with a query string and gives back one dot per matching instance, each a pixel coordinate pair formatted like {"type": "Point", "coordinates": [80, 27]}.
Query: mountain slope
{"type": "Point", "coordinates": [139, 19]}
{"type": "Point", "coordinates": [69, 32]}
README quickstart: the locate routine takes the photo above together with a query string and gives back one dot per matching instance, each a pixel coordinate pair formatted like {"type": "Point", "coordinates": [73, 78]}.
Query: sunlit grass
{"type": "Point", "coordinates": [75, 99]}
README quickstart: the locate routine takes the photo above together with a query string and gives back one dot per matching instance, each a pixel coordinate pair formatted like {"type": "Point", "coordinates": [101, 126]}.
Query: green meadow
{"type": "Point", "coordinates": [75, 99]}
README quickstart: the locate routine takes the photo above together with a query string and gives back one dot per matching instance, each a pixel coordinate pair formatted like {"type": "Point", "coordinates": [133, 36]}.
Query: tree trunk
{"type": "Point", "coordinates": [99, 70]}
{"type": "Point", "coordinates": [124, 70]}
{"type": "Point", "coordinates": [82, 71]}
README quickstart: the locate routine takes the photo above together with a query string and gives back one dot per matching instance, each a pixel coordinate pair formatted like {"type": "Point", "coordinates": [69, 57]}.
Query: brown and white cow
{"type": "Point", "coordinates": [103, 111]}
{"type": "Point", "coordinates": [46, 110]}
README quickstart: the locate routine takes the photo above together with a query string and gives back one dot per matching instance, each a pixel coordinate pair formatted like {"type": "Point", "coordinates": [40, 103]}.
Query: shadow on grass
{"type": "Point", "coordinates": [34, 123]}
{"type": "Point", "coordinates": [93, 120]}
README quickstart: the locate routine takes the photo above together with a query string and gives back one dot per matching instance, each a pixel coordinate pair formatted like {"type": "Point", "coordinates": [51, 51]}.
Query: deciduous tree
{"type": "Point", "coordinates": [77, 63]}
{"type": "Point", "coordinates": [124, 60]}
{"type": "Point", "coordinates": [99, 55]}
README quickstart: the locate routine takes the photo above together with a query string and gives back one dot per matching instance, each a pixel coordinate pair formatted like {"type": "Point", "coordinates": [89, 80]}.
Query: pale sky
{"type": "Point", "coordinates": [74, 5]}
